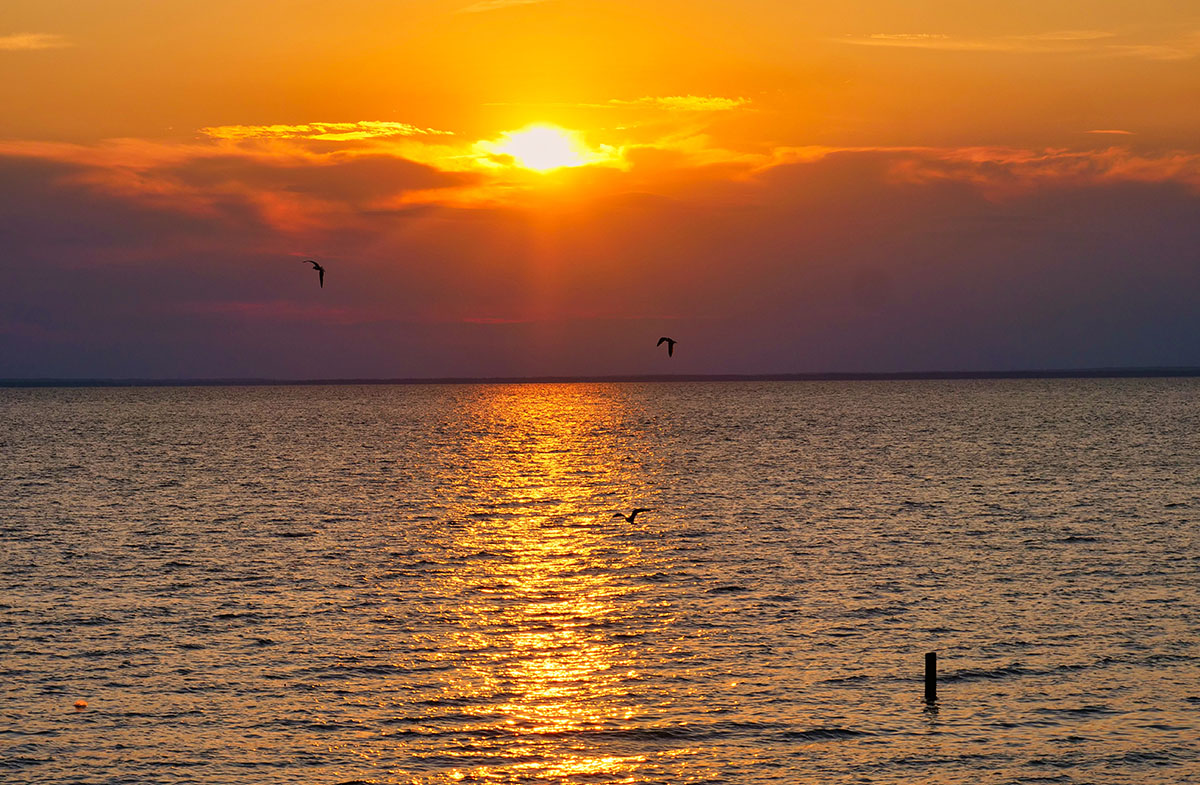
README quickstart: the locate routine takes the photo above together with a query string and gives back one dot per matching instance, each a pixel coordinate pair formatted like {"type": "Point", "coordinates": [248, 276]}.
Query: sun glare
{"type": "Point", "coordinates": [541, 148]}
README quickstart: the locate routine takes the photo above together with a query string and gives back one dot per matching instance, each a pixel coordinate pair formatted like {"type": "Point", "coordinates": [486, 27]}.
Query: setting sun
{"type": "Point", "coordinates": [541, 148]}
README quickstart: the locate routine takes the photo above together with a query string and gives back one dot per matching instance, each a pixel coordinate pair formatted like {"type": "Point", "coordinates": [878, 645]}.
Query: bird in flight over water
{"type": "Point", "coordinates": [320, 271]}
{"type": "Point", "coordinates": [670, 344]}
{"type": "Point", "coordinates": [631, 515]}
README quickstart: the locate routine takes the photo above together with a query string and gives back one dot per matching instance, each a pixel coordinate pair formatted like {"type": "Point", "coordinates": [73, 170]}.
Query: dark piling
{"type": "Point", "coordinates": [931, 677]}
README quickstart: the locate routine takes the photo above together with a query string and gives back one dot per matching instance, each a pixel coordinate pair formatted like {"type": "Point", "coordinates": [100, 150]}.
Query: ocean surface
{"type": "Point", "coordinates": [428, 584]}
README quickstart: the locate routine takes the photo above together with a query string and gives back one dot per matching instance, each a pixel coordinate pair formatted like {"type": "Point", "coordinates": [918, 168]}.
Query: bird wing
{"type": "Point", "coordinates": [642, 509]}
{"type": "Point", "coordinates": [320, 276]}
{"type": "Point", "coordinates": [310, 261]}
{"type": "Point", "coordinates": [664, 338]}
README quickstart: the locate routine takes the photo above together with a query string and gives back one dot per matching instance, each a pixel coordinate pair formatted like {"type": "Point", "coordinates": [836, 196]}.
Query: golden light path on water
{"type": "Point", "coordinates": [542, 616]}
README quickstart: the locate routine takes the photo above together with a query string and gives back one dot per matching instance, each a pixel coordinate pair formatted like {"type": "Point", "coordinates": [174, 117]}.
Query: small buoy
{"type": "Point", "coordinates": [80, 705]}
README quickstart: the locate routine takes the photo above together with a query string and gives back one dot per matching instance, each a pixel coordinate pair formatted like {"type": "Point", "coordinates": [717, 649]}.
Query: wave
{"type": "Point", "coordinates": [1155, 758]}
{"type": "Point", "coordinates": [856, 679]}
{"type": "Point", "coordinates": [875, 612]}
{"type": "Point", "coordinates": [1088, 710]}
{"type": "Point", "coordinates": [976, 674]}
{"type": "Point", "coordinates": [823, 734]}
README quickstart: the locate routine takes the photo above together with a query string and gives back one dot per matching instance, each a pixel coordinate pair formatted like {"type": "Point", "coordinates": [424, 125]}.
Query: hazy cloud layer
{"type": "Point", "coordinates": [149, 262]}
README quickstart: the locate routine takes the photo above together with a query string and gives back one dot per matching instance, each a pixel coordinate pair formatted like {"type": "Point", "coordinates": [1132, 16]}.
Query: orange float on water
{"type": "Point", "coordinates": [80, 705]}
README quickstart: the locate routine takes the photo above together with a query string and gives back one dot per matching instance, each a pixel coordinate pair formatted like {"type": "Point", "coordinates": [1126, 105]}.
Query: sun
{"type": "Point", "coordinates": [541, 148]}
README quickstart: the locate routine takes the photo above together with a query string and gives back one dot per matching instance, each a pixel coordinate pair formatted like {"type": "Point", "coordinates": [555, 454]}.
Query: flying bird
{"type": "Point", "coordinates": [670, 345]}
{"type": "Point", "coordinates": [320, 271]}
{"type": "Point", "coordinates": [631, 515]}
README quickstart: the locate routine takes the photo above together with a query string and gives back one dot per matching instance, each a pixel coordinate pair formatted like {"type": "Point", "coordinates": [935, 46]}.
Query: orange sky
{"type": "Point", "coordinates": [877, 187]}
{"type": "Point", "coordinates": [848, 73]}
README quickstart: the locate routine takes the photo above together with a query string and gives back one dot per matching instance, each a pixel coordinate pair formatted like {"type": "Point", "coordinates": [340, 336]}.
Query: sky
{"type": "Point", "coordinates": [546, 187]}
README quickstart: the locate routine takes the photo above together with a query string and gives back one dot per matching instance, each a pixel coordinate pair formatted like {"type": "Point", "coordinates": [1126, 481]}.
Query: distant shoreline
{"type": "Point", "coordinates": [1079, 373]}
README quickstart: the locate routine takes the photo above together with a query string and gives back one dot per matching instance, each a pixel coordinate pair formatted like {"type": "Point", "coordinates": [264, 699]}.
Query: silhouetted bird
{"type": "Point", "coordinates": [320, 271]}
{"type": "Point", "coordinates": [631, 515]}
{"type": "Point", "coordinates": [670, 344]}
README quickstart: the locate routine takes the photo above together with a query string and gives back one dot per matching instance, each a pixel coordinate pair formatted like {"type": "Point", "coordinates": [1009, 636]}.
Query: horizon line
{"type": "Point", "coordinates": [1148, 372]}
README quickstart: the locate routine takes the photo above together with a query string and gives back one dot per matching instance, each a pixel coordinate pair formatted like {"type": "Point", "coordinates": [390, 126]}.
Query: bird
{"type": "Point", "coordinates": [320, 271]}
{"type": "Point", "coordinates": [631, 515]}
{"type": "Point", "coordinates": [670, 345]}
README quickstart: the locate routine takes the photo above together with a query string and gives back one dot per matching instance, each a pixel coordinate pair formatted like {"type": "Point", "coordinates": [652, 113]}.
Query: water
{"type": "Point", "coordinates": [428, 584]}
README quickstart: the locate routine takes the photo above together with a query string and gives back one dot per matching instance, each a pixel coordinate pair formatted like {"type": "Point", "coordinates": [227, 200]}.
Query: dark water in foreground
{"type": "Point", "coordinates": [426, 584]}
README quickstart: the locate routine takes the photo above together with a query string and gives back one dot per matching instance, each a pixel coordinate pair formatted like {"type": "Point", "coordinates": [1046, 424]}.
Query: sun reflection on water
{"type": "Point", "coordinates": [549, 579]}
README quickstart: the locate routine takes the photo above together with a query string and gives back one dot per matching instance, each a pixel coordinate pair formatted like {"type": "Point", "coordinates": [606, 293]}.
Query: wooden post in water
{"type": "Point", "coordinates": [931, 677]}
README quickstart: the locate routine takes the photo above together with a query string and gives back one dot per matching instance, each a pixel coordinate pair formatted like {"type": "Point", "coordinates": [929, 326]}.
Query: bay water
{"type": "Point", "coordinates": [430, 584]}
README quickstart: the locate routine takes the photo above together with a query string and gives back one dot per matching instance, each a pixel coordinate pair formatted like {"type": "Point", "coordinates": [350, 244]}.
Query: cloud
{"type": "Point", "coordinates": [685, 103]}
{"type": "Point", "coordinates": [928, 41]}
{"type": "Point", "coordinates": [904, 39]}
{"type": "Point", "coordinates": [60, 205]}
{"type": "Point", "coordinates": [1001, 173]}
{"type": "Point", "coordinates": [1081, 42]}
{"type": "Point", "coordinates": [1184, 48]}
{"type": "Point", "coordinates": [496, 5]}
{"type": "Point", "coordinates": [330, 132]}
{"type": "Point", "coordinates": [290, 183]}
{"type": "Point", "coordinates": [667, 103]}
{"type": "Point", "coordinates": [1068, 35]}
{"type": "Point", "coordinates": [352, 180]}
{"type": "Point", "coordinates": [284, 187]}
{"type": "Point", "coordinates": [24, 42]}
